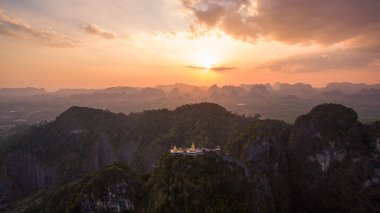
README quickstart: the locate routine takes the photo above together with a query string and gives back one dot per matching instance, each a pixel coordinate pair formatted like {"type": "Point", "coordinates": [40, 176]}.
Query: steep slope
{"type": "Point", "coordinates": [326, 162]}
{"type": "Point", "coordinates": [331, 161]}
{"type": "Point", "coordinates": [206, 124]}
{"type": "Point", "coordinates": [262, 146]}
{"type": "Point", "coordinates": [113, 189]}
{"type": "Point", "coordinates": [84, 140]}
{"type": "Point", "coordinates": [207, 183]}
{"type": "Point", "coordinates": [57, 152]}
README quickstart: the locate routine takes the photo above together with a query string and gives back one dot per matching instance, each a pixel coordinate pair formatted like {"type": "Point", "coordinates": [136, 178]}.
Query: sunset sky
{"type": "Point", "coordinates": [102, 43]}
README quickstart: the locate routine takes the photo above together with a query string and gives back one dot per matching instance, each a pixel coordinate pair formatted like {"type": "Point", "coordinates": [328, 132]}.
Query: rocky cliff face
{"type": "Point", "coordinates": [205, 183]}
{"type": "Point", "coordinates": [114, 200]}
{"type": "Point", "coordinates": [326, 162]}
{"type": "Point", "coordinates": [23, 176]}
{"type": "Point", "coordinates": [210, 183]}
{"type": "Point", "coordinates": [28, 174]}
{"type": "Point", "coordinates": [83, 140]}
{"type": "Point", "coordinates": [262, 146]}
{"type": "Point", "coordinates": [113, 189]}
{"type": "Point", "coordinates": [330, 161]}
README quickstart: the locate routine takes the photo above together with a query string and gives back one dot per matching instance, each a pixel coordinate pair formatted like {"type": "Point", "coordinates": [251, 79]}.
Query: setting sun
{"type": "Point", "coordinates": [207, 61]}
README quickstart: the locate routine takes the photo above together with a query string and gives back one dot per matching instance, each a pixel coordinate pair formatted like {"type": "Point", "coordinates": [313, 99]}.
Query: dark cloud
{"type": "Point", "coordinates": [360, 58]}
{"type": "Point", "coordinates": [97, 31]}
{"type": "Point", "coordinates": [216, 69]}
{"type": "Point", "coordinates": [231, 16]}
{"type": "Point", "coordinates": [290, 21]}
{"type": "Point", "coordinates": [221, 69]}
{"type": "Point", "coordinates": [16, 27]}
{"type": "Point", "coordinates": [323, 22]}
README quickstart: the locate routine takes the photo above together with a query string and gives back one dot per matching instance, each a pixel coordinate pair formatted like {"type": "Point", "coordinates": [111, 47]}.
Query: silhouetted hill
{"type": "Point", "coordinates": [332, 162]}
{"type": "Point", "coordinates": [326, 162]}
{"type": "Point", "coordinates": [325, 122]}
{"type": "Point", "coordinates": [83, 140]}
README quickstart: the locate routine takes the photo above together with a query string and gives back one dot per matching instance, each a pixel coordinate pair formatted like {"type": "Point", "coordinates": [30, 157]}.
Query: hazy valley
{"type": "Point", "coordinates": [279, 101]}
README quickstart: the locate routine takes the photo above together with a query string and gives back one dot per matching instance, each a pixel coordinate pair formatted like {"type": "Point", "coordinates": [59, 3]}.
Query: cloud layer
{"type": "Point", "coordinates": [360, 58]}
{"type": "Point", "coordinates": [353, 23]}
{"type": "Point", "coordinates": [290, 21]}
{"type": "Point", "coordinates": [16, 27]}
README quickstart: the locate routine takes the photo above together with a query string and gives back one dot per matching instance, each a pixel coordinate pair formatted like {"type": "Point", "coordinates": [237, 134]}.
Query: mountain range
{"type": "Point", "coordinates": [19, 106]}
{"type": "Point", "coordinates": [93, 160]}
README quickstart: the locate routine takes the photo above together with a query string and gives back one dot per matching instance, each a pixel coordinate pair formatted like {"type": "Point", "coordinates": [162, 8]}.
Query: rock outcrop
{"type": "Point", "coordinates": [330, 161]}
{"type": "Point", "coordinates": [326, 162]}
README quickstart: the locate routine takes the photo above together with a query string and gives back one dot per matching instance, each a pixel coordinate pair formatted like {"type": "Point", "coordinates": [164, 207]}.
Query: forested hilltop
{"type": "Point", "coordinates": [90, 160]}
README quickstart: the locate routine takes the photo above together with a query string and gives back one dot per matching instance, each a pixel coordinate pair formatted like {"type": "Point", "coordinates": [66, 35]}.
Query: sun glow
{"type": "Point", "coordinates": [206, 61]}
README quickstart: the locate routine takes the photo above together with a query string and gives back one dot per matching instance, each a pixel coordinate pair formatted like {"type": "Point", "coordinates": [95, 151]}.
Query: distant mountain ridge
{"type": "Point", "coordinates": [27, 91]}
{"type": "Point", "coordinates": [345, 87]}
{"type": "Point", "coordinates": [279, 101]}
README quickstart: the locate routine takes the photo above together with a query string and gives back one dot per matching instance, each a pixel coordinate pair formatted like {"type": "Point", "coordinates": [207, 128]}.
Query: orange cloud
{"type": "Point", "coordinates": [226, 15]}
{"type": "Point", "coordinates": [354, 25]}
{"type": "Point", "coordinates": [360, 58]}
{"type": "Point", "coordinates": [16, 27]}
{"type": "Point", "coordinates": [97, 31]}
{"type": "Point", "coordinates": [290, 21]}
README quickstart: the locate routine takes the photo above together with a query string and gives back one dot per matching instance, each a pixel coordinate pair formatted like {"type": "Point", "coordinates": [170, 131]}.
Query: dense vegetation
{"type": "Point", "coordinates": [333, 161]}
{"type": "Point", "coordinates": [326, 162]}
{"type": "Point", "coordinates": [114, 188]}
{"type": "Point", "coordinates": [207, 183]}
{"type": "Point", "coordinates": [83, 140]}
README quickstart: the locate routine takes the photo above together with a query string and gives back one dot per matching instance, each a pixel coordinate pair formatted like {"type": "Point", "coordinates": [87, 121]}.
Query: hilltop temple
{"type": "Point", "coordinates": [192, 150]}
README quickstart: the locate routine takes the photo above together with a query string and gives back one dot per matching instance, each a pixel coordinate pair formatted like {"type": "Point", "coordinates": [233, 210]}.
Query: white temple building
{"type": "Point", "coordinates": [192, 150]}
